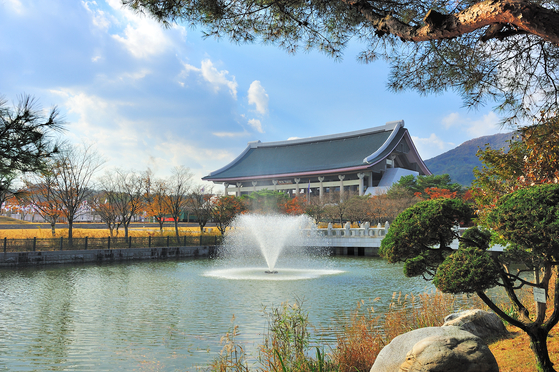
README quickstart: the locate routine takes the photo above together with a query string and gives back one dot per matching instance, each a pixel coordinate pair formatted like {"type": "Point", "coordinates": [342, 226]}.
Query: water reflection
{"type": "Point", "coordinates": [166, 315]}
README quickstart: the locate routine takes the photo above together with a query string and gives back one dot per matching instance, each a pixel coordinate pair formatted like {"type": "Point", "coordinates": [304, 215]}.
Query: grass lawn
{"type": "Point", "coordinates": [11, 221]}
{"type": "Point", "coordinates": [514, 354]}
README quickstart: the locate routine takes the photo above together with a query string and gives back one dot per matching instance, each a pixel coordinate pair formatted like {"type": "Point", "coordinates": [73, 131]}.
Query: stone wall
{"type": "Point", "coordinates": [101, 255]}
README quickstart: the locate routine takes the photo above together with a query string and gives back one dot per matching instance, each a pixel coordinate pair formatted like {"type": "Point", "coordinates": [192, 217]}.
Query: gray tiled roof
{"type": "Point", "coordinates": [323, 153]}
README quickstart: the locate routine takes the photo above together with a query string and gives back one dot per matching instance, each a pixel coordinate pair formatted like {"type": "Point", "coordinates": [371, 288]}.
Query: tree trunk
{"type": "Point", "coordinates": [538, 344]}
{"type": "Point", "coordinates": [126, 229]}
{"type": "Point", "coordinates": [70, 231]}
{"type": "Point", "coordinates": [53, 228]}
{"type": "Point", "coordinates": [177, 230]}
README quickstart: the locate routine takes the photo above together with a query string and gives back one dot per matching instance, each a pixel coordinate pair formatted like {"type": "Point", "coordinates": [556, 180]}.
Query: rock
{"type": "Point", "coordinates": [483, 324]}
{"type": "Point", "coordinates": [394, 354]}
{"type": "Point", "coordinates": [462, 352]}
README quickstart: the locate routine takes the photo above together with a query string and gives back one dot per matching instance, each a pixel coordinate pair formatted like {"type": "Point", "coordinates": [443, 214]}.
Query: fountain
{"type": "Point", "coordinates": [255, 240]}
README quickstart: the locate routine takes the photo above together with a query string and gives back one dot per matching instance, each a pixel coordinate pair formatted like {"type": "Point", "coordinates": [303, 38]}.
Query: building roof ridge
{"type": "Point", "coordinates": [389, 126]}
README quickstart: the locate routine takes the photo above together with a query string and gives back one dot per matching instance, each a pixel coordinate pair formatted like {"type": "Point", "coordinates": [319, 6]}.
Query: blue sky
{"type": "Point", "coordinates": [146, 96]}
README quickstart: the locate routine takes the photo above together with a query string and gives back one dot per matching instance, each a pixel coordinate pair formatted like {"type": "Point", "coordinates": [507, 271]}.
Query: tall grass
{"type": "Point", "coordinates": [287, 347]}
{"type": "Point", "coordinates": [367, 333]}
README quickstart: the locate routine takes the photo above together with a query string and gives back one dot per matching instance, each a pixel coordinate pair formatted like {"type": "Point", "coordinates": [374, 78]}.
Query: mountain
{"type": "Point", "coordinates": [460, 162]}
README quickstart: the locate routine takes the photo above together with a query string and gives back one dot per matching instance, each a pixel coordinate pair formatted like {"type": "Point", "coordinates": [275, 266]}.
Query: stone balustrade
{"type": "Point", "coordinates": [364, 231]}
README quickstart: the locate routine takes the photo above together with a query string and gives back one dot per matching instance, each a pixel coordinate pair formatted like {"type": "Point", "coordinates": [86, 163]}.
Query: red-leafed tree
{"type": "Point", "coordinates": [225, 209]}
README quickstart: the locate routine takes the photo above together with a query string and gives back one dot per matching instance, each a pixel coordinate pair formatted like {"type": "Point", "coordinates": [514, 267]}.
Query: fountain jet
{"type": "Point", "coordinates": [269, 233]}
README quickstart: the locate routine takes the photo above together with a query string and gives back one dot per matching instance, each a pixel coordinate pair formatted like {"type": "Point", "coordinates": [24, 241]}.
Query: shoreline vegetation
{"type": "Point", "coordinates": [287, 347]}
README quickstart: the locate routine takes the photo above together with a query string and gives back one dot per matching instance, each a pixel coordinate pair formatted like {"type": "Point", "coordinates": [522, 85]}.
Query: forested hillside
{"type": "Point", "coordinates": [460, 162]}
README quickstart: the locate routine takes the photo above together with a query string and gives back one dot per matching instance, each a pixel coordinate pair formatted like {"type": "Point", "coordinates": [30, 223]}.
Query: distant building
{"type": "Point", "coordinates": [363, 161]}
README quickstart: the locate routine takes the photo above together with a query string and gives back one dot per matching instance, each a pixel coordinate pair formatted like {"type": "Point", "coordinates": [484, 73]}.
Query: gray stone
{"type": "Point", "coordinates": [394, 354]}
{"type": "Point", "coordinates": [461, 352]}
{"type": "Point", "coordinates": [483, 324]}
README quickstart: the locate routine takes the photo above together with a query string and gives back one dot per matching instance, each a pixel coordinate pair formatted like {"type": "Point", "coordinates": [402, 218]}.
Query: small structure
{"type": "Point", "coordinates": [363, 161]}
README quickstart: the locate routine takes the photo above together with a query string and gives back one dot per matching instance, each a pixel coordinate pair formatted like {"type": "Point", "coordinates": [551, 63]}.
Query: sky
{"type": "Point", "coordinates": [145, 96]}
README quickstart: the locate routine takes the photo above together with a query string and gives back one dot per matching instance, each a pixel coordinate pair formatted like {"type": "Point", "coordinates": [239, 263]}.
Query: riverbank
{"type": "Point", "coordinates": [11, 259]}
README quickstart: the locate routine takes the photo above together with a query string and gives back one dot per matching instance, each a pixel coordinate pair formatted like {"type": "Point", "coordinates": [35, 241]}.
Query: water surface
{"type": "Point", "coordinates": [166, 315]}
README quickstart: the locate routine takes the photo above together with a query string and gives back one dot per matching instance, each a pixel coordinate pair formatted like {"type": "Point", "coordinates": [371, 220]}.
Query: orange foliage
{"type": "Point", "coordinates": [293, 207]}
{"type": "Point", "coordinates": [436, 193]}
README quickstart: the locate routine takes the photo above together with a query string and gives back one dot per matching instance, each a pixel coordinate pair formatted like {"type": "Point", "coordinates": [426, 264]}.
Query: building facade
{"type": "Point", "coordinates": [364, 162]}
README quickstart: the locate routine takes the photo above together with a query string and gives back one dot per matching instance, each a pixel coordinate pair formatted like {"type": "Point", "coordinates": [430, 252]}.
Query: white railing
{"type": "Point", "coordinates": [364, 231]}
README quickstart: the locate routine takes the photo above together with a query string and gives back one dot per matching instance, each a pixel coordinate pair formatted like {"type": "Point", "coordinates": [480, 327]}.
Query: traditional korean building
{"type": "Point", "coordinates": [363, 161]}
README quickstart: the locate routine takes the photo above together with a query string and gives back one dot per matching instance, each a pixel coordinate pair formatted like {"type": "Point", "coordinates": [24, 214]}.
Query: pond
{"type": "Point", "coordinates": [168, 315]}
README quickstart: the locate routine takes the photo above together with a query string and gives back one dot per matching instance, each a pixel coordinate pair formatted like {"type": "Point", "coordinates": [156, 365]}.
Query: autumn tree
{"type": "Point", "coordinates": [532, 159]}
{"type": "Point", "coordinates": [316, 208]}
{"type": "Point", "coordinates": [40, 192]}
{"type": "Point", "coordinates": [178, 187]}
{"type": "Point", "coordinates": [436, 193]}
{"type": "Point", "coordinates": [124, 191]}
{"type": "Point", "coordinates": [225, 209]}
{"type": "Point", "coordinates": [292, 206]}
{"type": "Point", "coordinates": [503, 51]}
{"type": "Point", "coordinates": [419, 184]}
{"type": "Point", "coordinates": [201, 204]}
{"type": "Point", "coordinates": [358, 208]}
{"type": "Point", "coordinates": [156, 203]}
{"type": "Point", "coordinates": [73, 169]}
{"type": "Point", "coordinates": [106, 210]}
{"type": "Point", "coordinates": [337, 210]}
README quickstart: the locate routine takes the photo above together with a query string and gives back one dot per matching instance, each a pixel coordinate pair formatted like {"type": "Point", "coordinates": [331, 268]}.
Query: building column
{"type": "Point", "coordinates": [361, 176]}
{"type": "Point", "coordinates": [370, 179]}
{"type": "Point", "coordinates": [275, 182]}
{"type": "Point", "coordinates": [297, 180]}
{"type": "Point", "coordinates": [321, 189]}
{"type": "Point", "coordinates": [341, 178]}
{"type": "Point", "coordinates": [254, 183]}
{"type": "Point", "coordinates": [239, 185]}
{"type": "Point", "coordinates": [225, 186]}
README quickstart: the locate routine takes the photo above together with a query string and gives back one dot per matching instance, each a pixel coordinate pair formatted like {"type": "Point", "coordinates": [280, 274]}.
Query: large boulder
{"type": "Point", "coordinates": [464, 352]}
{"type": "Point", "coordinates": [393, 355]}
{"type": "Point", "coordinates": [483, 324]}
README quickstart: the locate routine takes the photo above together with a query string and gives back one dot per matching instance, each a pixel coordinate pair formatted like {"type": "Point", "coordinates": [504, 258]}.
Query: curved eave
{"type": "Point", "coordinates": [413, 149]}
{"type": "Point", "coordinates": [418, 158]}
{"type": "Point", "coordinates": [397, 125]}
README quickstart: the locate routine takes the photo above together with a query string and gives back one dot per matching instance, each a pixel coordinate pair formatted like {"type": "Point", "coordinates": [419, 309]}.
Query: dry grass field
{"type": "Point", "coordinates": [136, 231]}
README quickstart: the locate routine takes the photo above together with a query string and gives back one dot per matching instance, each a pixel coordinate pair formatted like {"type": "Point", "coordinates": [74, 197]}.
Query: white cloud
{"type": "Point", "coordinates": [100, 19]}
{"type": "Point", "coordinates": [230, 134]}
{"type": "Point", "coordinates": [143, 37]}
{"type": "Point", "coordinates": [256, 125]}
{"type": "Point", "coordinates": [15, 5]}
{"type": "Point", "coordinates": [431, 146]}
{"type": "Point", "coordinates": [258, 96]}
{"type": "Point", "coordinates": [451, 120]}
{"type": "Point", "coordinates": [217, 79]}
{"type": "Point", "coordinates": [487, 125]}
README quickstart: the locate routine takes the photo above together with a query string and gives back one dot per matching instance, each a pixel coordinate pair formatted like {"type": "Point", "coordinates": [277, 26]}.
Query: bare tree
{"type": "Point", "coordinates": [73, 169]}
{"type": "Point", "coordinates": [201, 204]}
{"type": "Point", "coordinates": [106, 210]}
{"type": "Point", "coordinates": [40, 193]}
{"type": "Point", "coordinates": [178, 185]}
{"type": "Point", "coordinates": [124, 191]}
